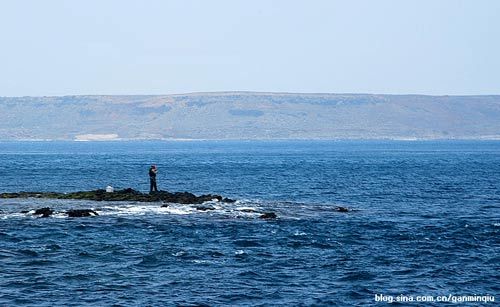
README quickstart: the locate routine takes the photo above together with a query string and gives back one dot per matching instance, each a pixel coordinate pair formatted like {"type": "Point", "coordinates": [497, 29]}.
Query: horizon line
{"type": "Point", "coordinates": [249, 93]}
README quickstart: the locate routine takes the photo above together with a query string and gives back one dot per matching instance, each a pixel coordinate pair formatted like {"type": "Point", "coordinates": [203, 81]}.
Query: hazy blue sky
{"type": "Point", "coordinates": [161, 47]}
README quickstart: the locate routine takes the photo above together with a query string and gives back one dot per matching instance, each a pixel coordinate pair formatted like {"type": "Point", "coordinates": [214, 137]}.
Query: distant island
{"type": "Point", "coordinates": [250, 115]}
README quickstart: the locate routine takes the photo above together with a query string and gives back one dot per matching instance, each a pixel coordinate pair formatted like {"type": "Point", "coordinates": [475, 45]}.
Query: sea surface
{"type": "Point", "coordinates": [425, 220]}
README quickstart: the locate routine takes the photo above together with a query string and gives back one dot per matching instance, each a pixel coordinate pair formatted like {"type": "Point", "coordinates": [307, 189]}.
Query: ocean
{"type": "Point", "coordinates": [424, 221]}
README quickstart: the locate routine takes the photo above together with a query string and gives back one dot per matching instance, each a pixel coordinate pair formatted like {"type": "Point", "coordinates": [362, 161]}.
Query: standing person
{"type": "Point", "coordinates": [152, 179]}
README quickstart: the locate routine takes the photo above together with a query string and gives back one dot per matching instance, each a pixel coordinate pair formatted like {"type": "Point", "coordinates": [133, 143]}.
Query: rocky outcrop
{"type": "Point", "coordinates": [123, 195]}
{"type": "Point", "coordinates": [127, 195]}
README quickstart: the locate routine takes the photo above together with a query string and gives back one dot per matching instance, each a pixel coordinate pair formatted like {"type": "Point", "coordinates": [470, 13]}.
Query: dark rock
{"type": "Point", "coordinates": [183, 198]}
{"type": "Point", "coordinates": [25, 211]}
{"type": "Point", "coordinates": [127, 191]}
{"type": "Point", "coordinates": [122, 195]}
{"type": "Point", "coordinates": [248, 210]}
{"type": "Point", "coordinates": [228, 200]}
{"type": "Point", "coordinates": [9, 195]}
{"type": "Point", "coordinates": [44, 212]}
{"type": "Point", "coordinates": [268, 215]}
{"type": "Point", "coordinates": [342, 209]}
{"type": "Point", "coordinates": [205, 208]}
{"type": "Point", "coordinates": [81, 213]}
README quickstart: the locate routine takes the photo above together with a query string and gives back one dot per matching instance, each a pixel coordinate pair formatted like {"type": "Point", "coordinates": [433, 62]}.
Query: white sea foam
{"type": "Point", "coordinates": [241, 208]}
{"type": "Point", "coordinates": [179, 210]}
{"type": "Point", "coordinates": [59, 215]}
{"type": "Point", "coordinates": [13, 215]}
{"type": "Point", "coordinates": [143, 210]}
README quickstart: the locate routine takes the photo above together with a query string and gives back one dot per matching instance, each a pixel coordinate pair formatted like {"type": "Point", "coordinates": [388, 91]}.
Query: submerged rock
{"type": "Point", "coordinates": [123, 195]}
{"type": "Point", "coordinates": [248, 210]}
{"type": "Point", "coordinates": [268, 215]}
{"type": "Point", "coordinates": [205, 208]}
{"type": "Point", "coordinates": [44, 212]}
{"type": "Point", "coordinates": [342, 209]}
{"type": "Point", "coordinates": [81, 213]}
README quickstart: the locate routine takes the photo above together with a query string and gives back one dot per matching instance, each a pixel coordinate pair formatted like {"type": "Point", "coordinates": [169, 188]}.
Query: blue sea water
{"type": "Point", "coordinates": [425, 221]}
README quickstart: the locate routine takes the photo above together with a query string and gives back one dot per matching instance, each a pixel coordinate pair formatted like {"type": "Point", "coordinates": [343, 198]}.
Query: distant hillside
{"type": "Point", "coordinates": [247, 115]}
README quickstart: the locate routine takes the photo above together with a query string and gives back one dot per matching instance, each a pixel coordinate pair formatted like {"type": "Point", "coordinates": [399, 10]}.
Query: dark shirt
{"type": "Point", "coordinates": [152, 173]}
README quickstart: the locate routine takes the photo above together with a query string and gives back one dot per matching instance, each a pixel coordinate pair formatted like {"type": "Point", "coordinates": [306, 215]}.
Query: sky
{"type": "Point", "coordinates": [108, 47]}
